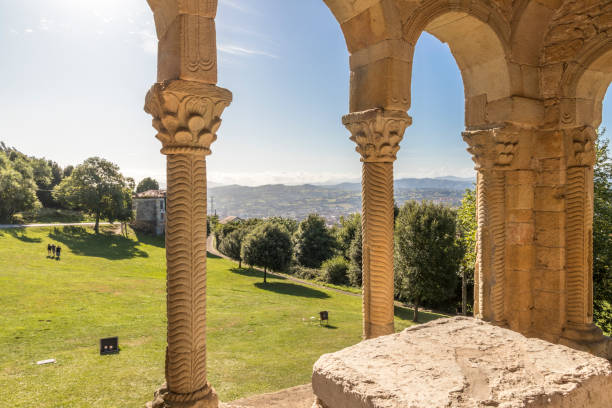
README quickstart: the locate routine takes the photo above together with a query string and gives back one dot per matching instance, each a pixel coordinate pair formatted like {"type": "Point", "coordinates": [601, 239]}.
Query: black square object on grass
{"type": "Point", "coordinates": [109, 345]}
{"type": "Point", "coordinates": [324, 317]}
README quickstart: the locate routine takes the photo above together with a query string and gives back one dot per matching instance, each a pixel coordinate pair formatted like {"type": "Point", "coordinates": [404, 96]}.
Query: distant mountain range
{"type": "Point", "coordinates": [329, 201]}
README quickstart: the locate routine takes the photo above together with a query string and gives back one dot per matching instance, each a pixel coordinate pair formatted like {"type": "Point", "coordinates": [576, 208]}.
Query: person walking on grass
{"type": "Point", "coordinates": [58, 252]}
{"type": "Point", "coordinates": [52, 250]}
{"type": "Point", "coordinates": [48, 250]}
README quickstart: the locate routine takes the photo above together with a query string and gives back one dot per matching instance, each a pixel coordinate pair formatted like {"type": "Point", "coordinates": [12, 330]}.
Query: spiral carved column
{"type": "Point", "coordinates": [493, 151]}
{"type": "Point", "coordinates": [377, 134]}
{"type": "Point", "coordinates": [579, 328]}
{"type": "Point", "coordinates": [186, 116]}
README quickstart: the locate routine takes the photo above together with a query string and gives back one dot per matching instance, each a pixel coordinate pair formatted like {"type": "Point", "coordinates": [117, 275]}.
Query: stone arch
{"type": "Point", "coordinates": [587, 82]}
{"type": "Point", "coordinates": [478, 39]}
{"type": "Point", "coordinates": [365, 23]}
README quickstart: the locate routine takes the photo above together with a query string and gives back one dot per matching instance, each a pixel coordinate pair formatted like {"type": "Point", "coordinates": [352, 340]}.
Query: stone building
{"type": "Point", "coordinates": [230, 219]}
{"type": "Point", "coordinates": [535, 73]}
{"type": "Point", "coordinates": [150, 211]}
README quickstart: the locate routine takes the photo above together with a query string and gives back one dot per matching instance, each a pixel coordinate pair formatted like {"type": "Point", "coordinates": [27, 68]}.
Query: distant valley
{"type": "Point", "coordinates": [329, 201]}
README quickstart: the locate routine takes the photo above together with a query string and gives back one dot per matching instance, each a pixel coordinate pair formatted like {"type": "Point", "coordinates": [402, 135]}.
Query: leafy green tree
{"type": "Point", "coordinates": [98, 188]}
{"type": "Point", "coordinates": [231, 245]}
{"type": "Point", "coordinates": [355, 258]}
{"type": "Point", "coordinates": [335, 270]}
{"type": "Point", "coordinates": [313, 242]}
{"type": "Point", "coordinates": [290, 224]}
{"type": "Point", "coordinates": [68, 170]}
{"type": "Point", "coordinates": [45, 191]}
{"type": "Point", "coordinates": [467, 227]}
{"type": "Point", "coordinates": [427, 255]}
{"type": "Point", "coordinates": [602, 236]}
{"type": "Point", "coordinates": [268, 246]}
{"type": "Point", "coordinates": [147, 184]}
{"type": "Point", "coordinates": [17, 187]}
{"type": "Point", "coordinates": [345, 234]}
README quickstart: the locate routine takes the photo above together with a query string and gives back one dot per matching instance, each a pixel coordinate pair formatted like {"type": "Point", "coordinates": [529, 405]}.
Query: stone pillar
{"type": "Point", "coordinates": [377, 133]}
{"type": "Point", "coordinates": [580, 158]}
{"type": "Point", "coordinates": [186, 115]}
{"type": "Point", "coordinates": [504, 200]}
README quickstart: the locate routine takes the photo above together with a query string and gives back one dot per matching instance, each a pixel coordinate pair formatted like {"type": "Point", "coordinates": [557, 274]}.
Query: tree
{"type": "Point", "coordinates": [147, 184]}
{"type": "Point", "coordinates": [602, 236]}
{"type": "Point", "coordinates": [354, 274]}
{"type": "Point", "coordinates": [346, 233]}
{"type": "Point", "coordinates": [427, 255]}
{"type": "Point", "coordinates": [313, 242]}
{"type": "Point", "coordinates": [335, 270]}
{"type": "Point", "coordinates": [268, 246]}
{"type": "Point", "coordinates": [290, 224]}
{"type": "Point", "coordinates": [467, 227]}
{"type": "Point", "coordinates": [68, 170]}
{"type": "Point", "coordinates": [17, 187]}
{"type": "Point", "coordinates": [231, 245]}
{"type": "Point", "coordinates": [98, 188]}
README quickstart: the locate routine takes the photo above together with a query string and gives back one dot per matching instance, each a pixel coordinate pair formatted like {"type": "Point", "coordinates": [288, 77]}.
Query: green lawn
{"type": "Point", "coordinates": [260, 337]}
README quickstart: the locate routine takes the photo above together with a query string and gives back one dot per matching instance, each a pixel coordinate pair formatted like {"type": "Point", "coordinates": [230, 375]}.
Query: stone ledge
{"type": "Point", "coordinates": [461, 362]}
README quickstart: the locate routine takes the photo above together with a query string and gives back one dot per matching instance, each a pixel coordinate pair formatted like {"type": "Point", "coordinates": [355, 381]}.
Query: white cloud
{"type": "Point", "coordinates": [238, 50]}
{"type": "Point", "coordinates": [443, 171]}
{"type": "Point", "coordinates": [148, 41]}
{"type": "Point", "coordinates": [44, 24]}
{"type": "Point", "coordinates": [236, 5]}
{"type": "Point", "coordinates": [290, 178]}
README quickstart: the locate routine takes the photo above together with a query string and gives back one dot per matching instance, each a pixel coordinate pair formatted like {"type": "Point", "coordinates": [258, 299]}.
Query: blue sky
{"type": "Point", "coordinates": [76, 72]}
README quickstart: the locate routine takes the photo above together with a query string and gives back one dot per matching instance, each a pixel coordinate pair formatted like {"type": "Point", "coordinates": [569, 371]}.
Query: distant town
{"type": "Point", "coordinates": [329, 201]}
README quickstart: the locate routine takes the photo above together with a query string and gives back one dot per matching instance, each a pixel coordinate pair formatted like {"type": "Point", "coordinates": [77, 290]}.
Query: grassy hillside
{"type": "Point", "coordinates": [260, 337]}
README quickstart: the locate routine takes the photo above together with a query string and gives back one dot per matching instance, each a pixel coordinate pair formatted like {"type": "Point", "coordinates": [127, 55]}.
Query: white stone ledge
{"type": "Point", "coordinates": [461, 362]}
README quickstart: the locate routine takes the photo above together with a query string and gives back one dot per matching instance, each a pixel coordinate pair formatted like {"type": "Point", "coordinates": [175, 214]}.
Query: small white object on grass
{"type": "Point", "coordinates": [49, 361]}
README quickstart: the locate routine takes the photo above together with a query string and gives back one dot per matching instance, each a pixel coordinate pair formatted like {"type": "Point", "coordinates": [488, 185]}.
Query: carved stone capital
{"type": "Point", "coordinates": [186, 115]}
{"type": "Point", "coordinates": [377, 133]}
{"type": "Point", "coordinates": [580, 146]}
{"type": "Point", "coordinates": [493, 148]}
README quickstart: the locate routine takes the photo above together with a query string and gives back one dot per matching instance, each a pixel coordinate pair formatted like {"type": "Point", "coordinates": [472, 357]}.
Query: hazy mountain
{"type": "Point", "coordinates": [330, 201]}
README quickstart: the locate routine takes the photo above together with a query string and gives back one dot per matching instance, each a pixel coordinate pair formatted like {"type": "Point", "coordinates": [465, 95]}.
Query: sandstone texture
{"type": "Point", "coordinates": [461, 362]}
{"type": "Point", "coordinates": [535, 73]}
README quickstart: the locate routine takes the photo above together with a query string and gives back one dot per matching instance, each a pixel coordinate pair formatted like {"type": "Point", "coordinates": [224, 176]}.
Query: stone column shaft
{"type": "Point", "coordinates": [186, 116]}
{"type": "Point", "coordinates": [580, 153]}
{"type": "Point", "coordinates": [377, 134]}
{"type": "Point", "coordinates": [186, 274]}
{"type": "Point", "coordinates": [489, 281]}
{"type": "Point", "coordinates": [493, 151]}
{"type": "Point", "coordinates": [377, 240]}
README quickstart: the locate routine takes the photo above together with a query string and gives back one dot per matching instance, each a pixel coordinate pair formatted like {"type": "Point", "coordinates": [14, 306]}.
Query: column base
{"type": "Point", "coordinates": [588, 338]}
{"type": "Point", "coordinates": [206, 398]}
{"type": "Point", "coordinates": [318, 403]}
{"type": "Point", "coordinates": [376, 330]}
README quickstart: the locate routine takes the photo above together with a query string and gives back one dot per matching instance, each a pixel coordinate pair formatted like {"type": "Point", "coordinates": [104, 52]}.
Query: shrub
{"type": "Point", "coordinates": [305, 273]}
{"type": "Point", "coordinates": [335, 270]}
{"type": "Point", "coordinates": [354, 276]}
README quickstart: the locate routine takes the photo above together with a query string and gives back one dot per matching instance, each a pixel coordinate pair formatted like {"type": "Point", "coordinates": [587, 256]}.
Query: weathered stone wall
{"type": "Point", "coordinates": [146, 210]}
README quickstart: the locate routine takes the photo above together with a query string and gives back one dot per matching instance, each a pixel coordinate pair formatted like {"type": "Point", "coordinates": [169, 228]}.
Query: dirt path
{"type": "Point", "coordinates": [211, 249]}
{"type": "Point", "coordinates": [67, 224]}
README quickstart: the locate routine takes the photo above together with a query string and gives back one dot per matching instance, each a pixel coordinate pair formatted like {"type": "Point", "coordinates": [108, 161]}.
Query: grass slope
{"type": "Point", "coordinates": [260, 337]}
